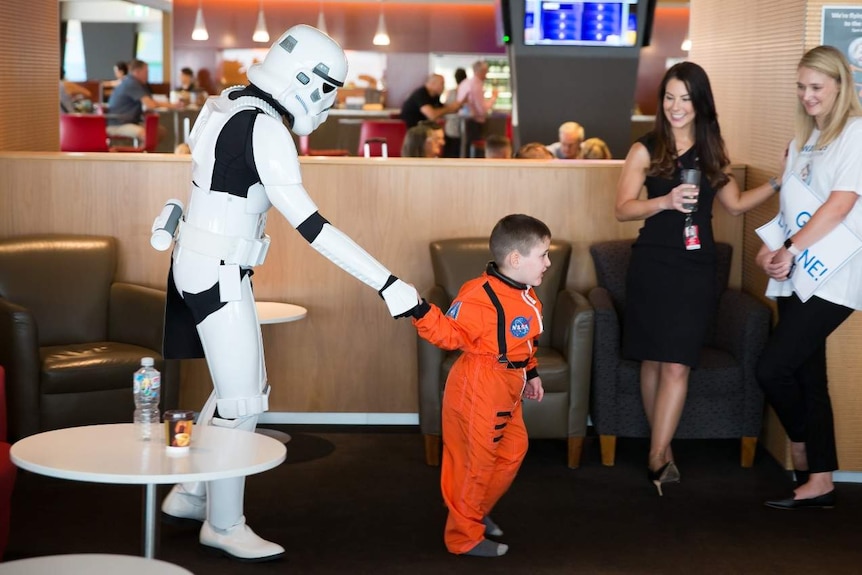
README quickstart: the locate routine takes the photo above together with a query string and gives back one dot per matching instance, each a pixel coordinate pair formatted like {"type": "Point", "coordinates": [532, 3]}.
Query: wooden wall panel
{"type": "Point", "coordinates": [750, 51]}
{"type": "Point", "coordinates": [29, 75]}
{"type": "Point", "coordinates": [348, 355]}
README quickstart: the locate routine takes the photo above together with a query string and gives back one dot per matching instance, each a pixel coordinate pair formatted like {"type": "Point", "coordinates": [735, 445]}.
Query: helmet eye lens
{"type": "Point", "coordinates": [327, 88]}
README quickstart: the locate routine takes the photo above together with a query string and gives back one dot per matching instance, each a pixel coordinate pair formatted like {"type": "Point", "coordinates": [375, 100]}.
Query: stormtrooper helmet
{"type": "Point", "coordinates": [302, 71]}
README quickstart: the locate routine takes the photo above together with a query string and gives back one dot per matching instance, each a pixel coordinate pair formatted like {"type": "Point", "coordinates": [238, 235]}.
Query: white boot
{"type": "Point", "coordinates": [186, 503]}
{"type": "Point", "coordinates": [240, 542]}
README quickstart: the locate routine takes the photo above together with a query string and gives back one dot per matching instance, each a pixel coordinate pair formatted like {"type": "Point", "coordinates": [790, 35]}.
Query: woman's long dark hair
{"type": "Point", "coordinates": [708, 143]}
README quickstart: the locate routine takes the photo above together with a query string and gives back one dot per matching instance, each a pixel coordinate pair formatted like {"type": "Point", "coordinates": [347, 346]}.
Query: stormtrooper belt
{"type": "Point", "coordinates": [246, 252]}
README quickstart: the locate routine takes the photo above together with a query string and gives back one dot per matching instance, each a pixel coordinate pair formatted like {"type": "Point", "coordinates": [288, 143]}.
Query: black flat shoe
{"type": "Point", "coordinates": [825, 501]}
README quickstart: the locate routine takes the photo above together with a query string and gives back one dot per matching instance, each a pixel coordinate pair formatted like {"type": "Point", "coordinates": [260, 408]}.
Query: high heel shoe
{"type": "Point", "coordinates": [667, 473]}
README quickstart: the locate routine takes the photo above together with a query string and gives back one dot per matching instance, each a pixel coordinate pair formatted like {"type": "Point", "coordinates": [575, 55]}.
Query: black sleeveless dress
{"type": "Point", "coordinates": [670, 291]}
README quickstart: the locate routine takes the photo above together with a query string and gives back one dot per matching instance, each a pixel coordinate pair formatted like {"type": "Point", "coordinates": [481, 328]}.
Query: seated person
{"type": "Point", "coordinates": [128, 102]}
{"type": "Point", "coordinates": [121, 70]}
{"type": "Point", "coordinates": [498, 147]}
{"type": "Point", "coordinates": [424, 103]}
{"type": "Point", "coordinates": [71, 94]}
{"type": "Point", "coordinates": [534, 151]}
{"type": "Point", "coordinates": [187, 80]}
{"type": "Point", "coordinates": [571, 135]}
{"type": "Point", "coordinates": [595, 149]}
{"type": "Point", "coordinates": [424, 140]}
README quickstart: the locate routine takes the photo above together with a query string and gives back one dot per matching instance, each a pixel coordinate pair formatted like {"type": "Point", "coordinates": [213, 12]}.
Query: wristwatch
{"type": "Point", "coordinates": [788, 245]}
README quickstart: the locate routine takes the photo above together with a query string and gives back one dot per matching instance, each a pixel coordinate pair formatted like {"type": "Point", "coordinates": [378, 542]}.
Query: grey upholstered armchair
{"type": "Point", "coordinates": [71, 337]}
{"type": "Point", "coordinates": [724, 400]}
{"type": "Point", "coordinates": [563, 353]}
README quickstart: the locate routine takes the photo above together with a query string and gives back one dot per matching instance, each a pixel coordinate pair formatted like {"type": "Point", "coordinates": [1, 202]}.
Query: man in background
{"type": "Point", "coordinates": [472, 93]}
{"type": "Point", "coordinates": [571, 136]}
{"type": "Point", "coordinates": [424, 103]}
{"type": "Point", "coordinates": [128, 102]}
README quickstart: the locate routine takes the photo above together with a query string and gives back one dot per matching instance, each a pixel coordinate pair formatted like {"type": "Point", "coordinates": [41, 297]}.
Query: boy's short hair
{"type": "Point", "coordinates": [516, 232]}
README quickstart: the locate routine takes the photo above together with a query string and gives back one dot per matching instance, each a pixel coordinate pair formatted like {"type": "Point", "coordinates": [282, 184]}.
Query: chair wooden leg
{"type": "Point", "coordinates": [608, 445]}
{"type": "Point", "coordinates": [749, 446]}
{"type": "Point", "coordinates": [576, 447]}
{"type": "Point", "coordinates": [432, 449]}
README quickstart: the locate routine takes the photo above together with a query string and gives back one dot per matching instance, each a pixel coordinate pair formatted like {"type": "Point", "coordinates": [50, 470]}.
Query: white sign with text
{"type": "Point", "coordinates": [816, 264]}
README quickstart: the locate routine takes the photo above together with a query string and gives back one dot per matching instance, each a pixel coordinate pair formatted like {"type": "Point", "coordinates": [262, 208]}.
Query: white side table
{"type": "Point", "coordinates": [270, 312]}
{"type": "Point", "coordinates": [115, 454]}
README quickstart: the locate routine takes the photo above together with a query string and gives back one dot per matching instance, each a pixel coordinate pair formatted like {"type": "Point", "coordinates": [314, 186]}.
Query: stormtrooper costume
{"type": "Point", "coordinates": [244, 162]}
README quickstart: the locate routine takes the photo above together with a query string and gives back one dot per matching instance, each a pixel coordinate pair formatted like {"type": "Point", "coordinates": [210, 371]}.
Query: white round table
{"type": "Point", "coordinates": [114, 454]}
{"type": "Point", "coordinates": [90, 563]}
{"type": "Point", "coordinates": [271, 312]}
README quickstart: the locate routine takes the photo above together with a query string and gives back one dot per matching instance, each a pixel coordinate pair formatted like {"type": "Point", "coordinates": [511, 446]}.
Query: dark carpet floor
{"type": "Point", "coordinates": [363, 501]}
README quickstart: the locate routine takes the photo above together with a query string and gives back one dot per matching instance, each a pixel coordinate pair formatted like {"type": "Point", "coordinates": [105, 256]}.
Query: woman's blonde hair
{"type": "Point", "coordinates": [831, 62]}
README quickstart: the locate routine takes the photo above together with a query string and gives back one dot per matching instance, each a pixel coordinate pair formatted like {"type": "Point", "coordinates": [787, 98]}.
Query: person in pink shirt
{"type": "Point", "coordinates": [472, 92]}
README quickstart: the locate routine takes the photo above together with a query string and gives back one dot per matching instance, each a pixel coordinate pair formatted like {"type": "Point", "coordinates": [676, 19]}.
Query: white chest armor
{"type": "Point", "coordinates": [217, 223]}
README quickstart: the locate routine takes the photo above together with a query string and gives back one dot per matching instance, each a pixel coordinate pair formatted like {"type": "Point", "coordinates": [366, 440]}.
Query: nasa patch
{"type": "Point", "coordinates": [454, 309]}
{"type": "Point", "coordinates": [520, 326]}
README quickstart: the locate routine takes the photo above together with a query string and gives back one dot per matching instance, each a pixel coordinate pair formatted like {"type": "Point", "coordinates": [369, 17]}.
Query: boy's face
{"type": "Point", "coordinates": [529, 268]}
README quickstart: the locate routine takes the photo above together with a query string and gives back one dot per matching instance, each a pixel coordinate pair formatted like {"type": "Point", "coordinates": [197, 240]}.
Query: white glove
{"type": "Point", "coordinates": [400, 298]}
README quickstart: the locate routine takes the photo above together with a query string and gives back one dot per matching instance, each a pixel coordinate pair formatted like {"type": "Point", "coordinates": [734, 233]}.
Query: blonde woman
{"type": "Point", "coordinates": [824, 158]}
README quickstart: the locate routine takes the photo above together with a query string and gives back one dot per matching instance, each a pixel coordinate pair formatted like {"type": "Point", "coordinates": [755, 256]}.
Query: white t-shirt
{"type": "Point", "coordinates": [837, 167]}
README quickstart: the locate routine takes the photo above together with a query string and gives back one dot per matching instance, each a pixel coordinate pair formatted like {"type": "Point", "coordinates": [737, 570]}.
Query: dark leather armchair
{"type": "Point", "coordinates": [724, 400]}
{"type": "Point", "coordinates": [71, 337]}
{"type": "Point", "coordinates": [563, 354]}
{"type": "Point", "coordinates": [8, 471]}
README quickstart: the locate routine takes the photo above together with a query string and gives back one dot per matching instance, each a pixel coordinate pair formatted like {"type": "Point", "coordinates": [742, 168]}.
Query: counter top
{"type": "Point", "coordinates": [385, 113]}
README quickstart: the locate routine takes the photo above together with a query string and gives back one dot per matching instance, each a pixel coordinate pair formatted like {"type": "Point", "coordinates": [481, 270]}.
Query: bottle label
{"type": "Point", "coordinates": [692, 237]}
{"type": "Point", "coordinates": [146, 384]}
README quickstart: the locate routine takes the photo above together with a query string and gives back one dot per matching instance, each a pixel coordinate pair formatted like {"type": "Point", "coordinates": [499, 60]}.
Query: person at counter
{"type": "Point", "coordinates": [424, 103]}
{"type": "Point", "coordinates": [472, 93]}
{"type": "Point", "coordinates": [129, 100]}
{"type": "Point", "coordinates": [452, 127]}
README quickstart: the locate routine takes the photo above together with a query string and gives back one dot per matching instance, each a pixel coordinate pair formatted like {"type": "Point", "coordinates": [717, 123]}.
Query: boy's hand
{"type": "Point", "coordinates": [534, 389]}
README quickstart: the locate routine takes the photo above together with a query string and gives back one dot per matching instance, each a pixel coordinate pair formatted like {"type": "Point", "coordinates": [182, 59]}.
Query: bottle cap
{"type": "Point", "coordinates": [147, 362]}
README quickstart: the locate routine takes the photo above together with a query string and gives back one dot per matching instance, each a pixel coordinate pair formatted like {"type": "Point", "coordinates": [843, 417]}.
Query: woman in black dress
{"type": "Point", "coordinates": [670, 286]}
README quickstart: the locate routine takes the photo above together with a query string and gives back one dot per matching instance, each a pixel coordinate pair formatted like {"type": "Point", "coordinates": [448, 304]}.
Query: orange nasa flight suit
{"type": "Point", "coordinates": [484, 437]}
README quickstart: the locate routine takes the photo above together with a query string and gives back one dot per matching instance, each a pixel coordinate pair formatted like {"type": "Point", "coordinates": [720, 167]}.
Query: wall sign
{"type": "Point", "coordinates": [842, 28]}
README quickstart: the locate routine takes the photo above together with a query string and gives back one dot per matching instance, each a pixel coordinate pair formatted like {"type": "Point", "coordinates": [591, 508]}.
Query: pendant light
{"type": "Point", "coordinates": [381, 38]}
{"type": "Point", "coordinates": [260, 32]}
{"type": "Point", "coordinates": [200, 30]}
{"type": "Point", "coordinates": [321, 20]}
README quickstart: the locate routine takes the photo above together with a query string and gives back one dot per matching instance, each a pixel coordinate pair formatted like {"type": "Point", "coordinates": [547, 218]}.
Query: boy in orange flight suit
{"type": "Point", "coordinates": [495, 320]}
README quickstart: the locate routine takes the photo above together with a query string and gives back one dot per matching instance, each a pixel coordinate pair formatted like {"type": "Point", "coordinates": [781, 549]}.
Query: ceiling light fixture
{"type": "Point", "coordinates": [381, 38]}
{"type": "Point", "coordinates": [200, 30]}
{"type": "Point", "coordinates": [321, 20]}
{"type": "Point", "coordinates": [260, 32]}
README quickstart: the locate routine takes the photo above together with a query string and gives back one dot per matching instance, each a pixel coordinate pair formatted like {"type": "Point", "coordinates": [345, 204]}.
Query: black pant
{"type": "Point", "coordinates": [792, 373]}
{"type": "Point", "coordinates": [472, 131]}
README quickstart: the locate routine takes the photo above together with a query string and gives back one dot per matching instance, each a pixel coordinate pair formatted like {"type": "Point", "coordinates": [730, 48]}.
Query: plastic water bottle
{"type": "Point", "coordinates": [147, 383]}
